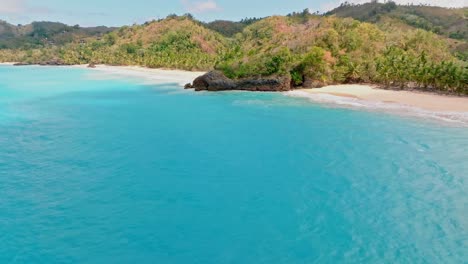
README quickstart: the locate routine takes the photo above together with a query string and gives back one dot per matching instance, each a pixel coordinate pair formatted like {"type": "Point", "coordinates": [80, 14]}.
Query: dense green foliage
{"type": "Point", "coordinates": [443, 21]}
{"type": "Point", "coordinates": [175, 42]}
{"type": "Point", "coordinates": [43, 34]}
{"type": "Point", "coordinates": [314, 50]}
{"type": "Point", "coordinates": [332, 50]}
{"type": "Point", "coordinates": [230, 28]}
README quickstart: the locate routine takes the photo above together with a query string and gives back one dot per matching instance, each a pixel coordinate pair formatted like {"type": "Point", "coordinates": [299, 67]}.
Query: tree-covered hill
{"type": "Point", "coordinates": [41, 34]}
{"type": "Point", "coordinates": [230, 28]}
{"type": "Point", "coordinates": [175, 42]}
{"type": "Point", "coordinates": [318, 50]}
{"type": "Point", "coordinates": [449, 22]}
{"type": "Point", "coordinates": [313, 50]}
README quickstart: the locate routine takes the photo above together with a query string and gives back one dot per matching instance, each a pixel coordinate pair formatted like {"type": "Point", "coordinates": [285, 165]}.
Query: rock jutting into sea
{"type": "Point", "coordinates": [217, 81]}
{"type": "Point", "coordinates": [53, 62]}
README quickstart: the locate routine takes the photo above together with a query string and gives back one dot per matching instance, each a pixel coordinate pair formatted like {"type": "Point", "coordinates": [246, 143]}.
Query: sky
{"type": "Point", "coordinates": [127, 12]}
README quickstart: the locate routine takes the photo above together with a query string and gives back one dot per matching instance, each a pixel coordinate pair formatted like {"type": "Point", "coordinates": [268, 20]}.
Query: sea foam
{"type": "Point", "coordinates": [458, 118]}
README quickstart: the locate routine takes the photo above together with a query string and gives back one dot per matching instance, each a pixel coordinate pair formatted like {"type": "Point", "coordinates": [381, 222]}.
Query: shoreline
{"type": "Point", "coordinates": [158, 76]}
{"type": "Point", "coordinates": [418, 99]}
{"type": "Point", "coordinates": [354, 95]}
{"type": "Point", "coordinates": [448, 109]}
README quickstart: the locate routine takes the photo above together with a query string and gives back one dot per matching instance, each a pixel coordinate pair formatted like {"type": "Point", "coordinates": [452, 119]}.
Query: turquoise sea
{"type": "Point", "coordinates": [116, 170]}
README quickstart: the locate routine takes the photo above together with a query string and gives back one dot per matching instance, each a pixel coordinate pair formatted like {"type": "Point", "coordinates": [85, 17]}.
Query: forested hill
{"type": "Point", "coordinates": [449, 22]}
{"type": "Point", "coordinates": [230, 28]}
{"type": "Point", "coordinates": [311, 49]}
{"type": "Point", "coordinates": [40, 34]}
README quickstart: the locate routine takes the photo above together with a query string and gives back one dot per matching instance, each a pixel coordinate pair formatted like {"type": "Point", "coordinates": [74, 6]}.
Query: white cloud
{"type": "Point", "coordinates": [444, 3]}
{"type": "Point", "coordinates": [12, 6]}
{"type": "Point", "coordinates": [200, 6]}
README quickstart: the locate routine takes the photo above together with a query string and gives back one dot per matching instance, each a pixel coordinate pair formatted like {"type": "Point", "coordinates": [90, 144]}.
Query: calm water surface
{"type": "Point", "coordinates": [96, 170]}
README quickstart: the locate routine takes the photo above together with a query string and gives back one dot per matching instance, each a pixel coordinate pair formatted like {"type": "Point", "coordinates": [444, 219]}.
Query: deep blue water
{"type": "Point", "coordinates": [116, 171]}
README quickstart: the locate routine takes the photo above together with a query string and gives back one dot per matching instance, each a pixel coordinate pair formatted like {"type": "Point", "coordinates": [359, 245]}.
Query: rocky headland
{"type": "Point", "coordinates": [217, 81]}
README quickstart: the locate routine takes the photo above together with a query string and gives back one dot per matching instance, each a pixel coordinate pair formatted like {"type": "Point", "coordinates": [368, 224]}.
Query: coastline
{"type": "Point", "coordinates": [423, 100]}
{"type": "Point", "coordinates": [357, 96]}
{"type": "Point", "coordinates": [445, 108]}
{"type": "Point", "coordinates": [159, 76]}
{"type": "Point", "coordinates": [359, 92]}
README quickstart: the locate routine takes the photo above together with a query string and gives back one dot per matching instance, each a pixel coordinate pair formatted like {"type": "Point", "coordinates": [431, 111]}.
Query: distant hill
{"type": "Point", "coordinates": [313, 50]}
{"type": "Point", "coordinates": [449, 22]}
{"type": "Point", "coordinates": [230, 28]}
{"type": "Point", "coordinates": [41, 34]}
{"type": "Point", "coordinates": [175, 42]}
{"type": "Point", "coordinates": [350, 46]}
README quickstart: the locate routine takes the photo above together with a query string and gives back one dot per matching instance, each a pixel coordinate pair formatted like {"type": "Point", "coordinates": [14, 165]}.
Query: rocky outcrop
{"type": "Point", "coordinates": [217, 81]}
{"type": "Point", "coordinates": [22, 64]}
{"type": "Point", "coordinates": [311, 83]}
{"type": "Point", "coordinates": [55, 62]}
{"type": "Point", "coordinates": [271, 84]}
{"type": "Point", "coordinates": [213, 81]}
{"type": "Point", "coordinates": [92, 65]}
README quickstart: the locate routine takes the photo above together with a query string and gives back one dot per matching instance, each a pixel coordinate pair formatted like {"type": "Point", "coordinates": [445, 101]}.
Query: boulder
{"type": "Point", "coordinates": [217, 81]}
{"type": "Point", "coordinates": [91, 65]}
{"type": "Point", "coordinates": [270, 84]}
{"type": "Point", "coordinates": [53, 62]}
{"type": "Point", "coordinates": [311, 83]}
{"type": "Point", "coordinates": [213, 81]}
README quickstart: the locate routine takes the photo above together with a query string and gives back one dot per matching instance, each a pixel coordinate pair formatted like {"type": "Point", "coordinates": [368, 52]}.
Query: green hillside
{"type": "Point", "coordinates": [230, 28]}
{"type": "Point", "coordinates": [324, 50]}
{"type": "Point", "coordinates": [313, 50]}
{"type": "Point", "coordinates": [449, 22]}
{"type": "Point", "coordinates": [42, 34]}
{"type": "Point", "coordinates": [174, 42]}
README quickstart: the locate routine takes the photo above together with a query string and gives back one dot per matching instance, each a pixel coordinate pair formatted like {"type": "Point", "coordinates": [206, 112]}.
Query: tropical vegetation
{"type": "Point", "coordinates": [312, 49]}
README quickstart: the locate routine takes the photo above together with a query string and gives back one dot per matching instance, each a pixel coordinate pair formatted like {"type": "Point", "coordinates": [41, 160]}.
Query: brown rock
{"type": "Point", "coordinates": [271, 84]}
{"type": "Point", "coordinates": [217, 81]}
{"type": "Point", "coordinates": [311, 83]}
{"type": "Point", "coordinates": [213, 81]}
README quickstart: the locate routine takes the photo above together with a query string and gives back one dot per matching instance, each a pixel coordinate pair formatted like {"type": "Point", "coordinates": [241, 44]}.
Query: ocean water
{"type": "Point", "coordinates": [117, 170]}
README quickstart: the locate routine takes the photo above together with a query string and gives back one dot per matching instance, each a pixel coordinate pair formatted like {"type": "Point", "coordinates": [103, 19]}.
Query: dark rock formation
{"type": "Point", "coordinates": [217, 81]}
{"type": "Point", "coordinates": [22, 64]}
{"type": "Point", "coordinates": [188, 86]}
{"type": "Point", "coordinates": [213, 81]}
{"type": "Point", "coordinates": [91, 65]}
{"type": "Point", "coordinates": [270, 84]}
{"type": "Point", "coordinates": [54, 62]}
{"type": "Point", "coordinates": [311, 83]}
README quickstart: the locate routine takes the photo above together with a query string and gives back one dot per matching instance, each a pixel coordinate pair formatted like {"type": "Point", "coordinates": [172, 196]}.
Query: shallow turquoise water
{"type": "Point", "coordinates": [115, 171]}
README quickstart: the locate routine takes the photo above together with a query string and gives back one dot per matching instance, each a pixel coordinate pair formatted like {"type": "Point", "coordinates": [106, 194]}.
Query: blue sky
{"type": "Point", "coordinates": [125, 12]}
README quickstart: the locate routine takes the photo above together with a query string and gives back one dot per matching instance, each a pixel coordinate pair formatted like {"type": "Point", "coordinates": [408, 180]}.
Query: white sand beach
{"type": "Point", "coordinates": [426, 101]}
{"type": "Point", "coordinates": [358, 96]}
{"type": "Point", "coordinates": [426, 105]}
{"type": "Point", "coordinates": [151, 75]}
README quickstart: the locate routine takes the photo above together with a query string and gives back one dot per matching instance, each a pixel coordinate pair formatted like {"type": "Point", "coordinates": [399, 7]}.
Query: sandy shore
{"type": "Point", "coordinates": [146, 74]}
{"type": "Point", "coordinates": [426, 101]}
{"type": "Point", "coordinates": [360, 96]}
{"type": "Point", "coordinates": [151, 75]}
